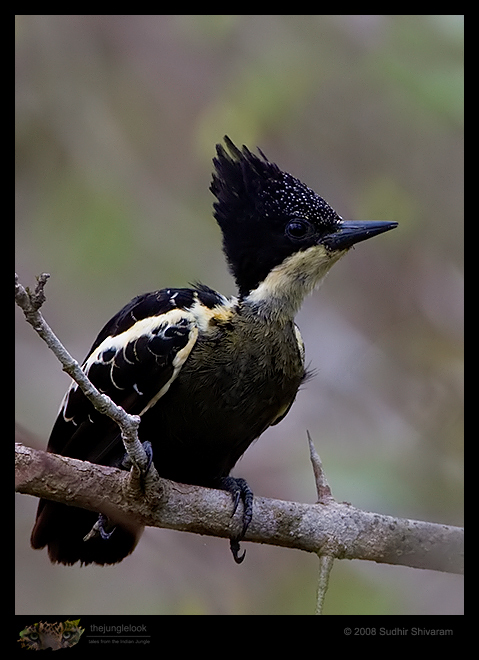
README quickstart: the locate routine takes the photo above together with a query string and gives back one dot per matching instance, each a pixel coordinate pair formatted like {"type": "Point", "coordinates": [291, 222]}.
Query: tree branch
{"type": "Point", "coordinates": [335, 529]}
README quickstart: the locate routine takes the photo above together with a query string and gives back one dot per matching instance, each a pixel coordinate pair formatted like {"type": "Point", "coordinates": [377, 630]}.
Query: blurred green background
{"type": "Point", "coordinates": [117, 118]}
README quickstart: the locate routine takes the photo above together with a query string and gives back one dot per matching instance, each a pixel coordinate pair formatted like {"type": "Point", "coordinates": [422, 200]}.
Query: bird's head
{"type": "Point", "coordinates": [280, 238]}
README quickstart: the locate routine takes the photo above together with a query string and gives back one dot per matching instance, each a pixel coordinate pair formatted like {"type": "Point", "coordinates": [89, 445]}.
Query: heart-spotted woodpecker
{"type": "Point", "coordinates": [207, 374]}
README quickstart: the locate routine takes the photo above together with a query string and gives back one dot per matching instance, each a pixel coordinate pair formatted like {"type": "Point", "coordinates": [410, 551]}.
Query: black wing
{"type": "Point", "coordinates": [134, 359]}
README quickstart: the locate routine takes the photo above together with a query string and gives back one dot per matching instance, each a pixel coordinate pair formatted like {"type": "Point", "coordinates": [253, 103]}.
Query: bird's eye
{"type": "Point", "coordinates": [298, 229]}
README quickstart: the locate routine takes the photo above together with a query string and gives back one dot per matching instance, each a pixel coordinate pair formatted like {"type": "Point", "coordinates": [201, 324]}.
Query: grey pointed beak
{"type": "Point", "coordinates": [350, 233]}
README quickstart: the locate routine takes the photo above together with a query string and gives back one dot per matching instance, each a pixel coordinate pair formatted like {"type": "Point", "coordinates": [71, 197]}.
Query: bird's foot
{"type": "Point", "coordinates": [239, 490]}
{"type": "Point", "coordinates": [103, 527]}
{"type": "Point", "coordinates": [127, 463]}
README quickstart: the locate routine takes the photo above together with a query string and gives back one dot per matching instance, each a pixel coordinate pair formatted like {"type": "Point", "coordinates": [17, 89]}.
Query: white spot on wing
{"type": "Point", "coordinates": [178, 362]}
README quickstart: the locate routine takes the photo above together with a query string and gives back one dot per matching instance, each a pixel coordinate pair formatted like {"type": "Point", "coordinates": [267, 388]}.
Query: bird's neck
{"type": "Point", "coordinates": [280, 295]}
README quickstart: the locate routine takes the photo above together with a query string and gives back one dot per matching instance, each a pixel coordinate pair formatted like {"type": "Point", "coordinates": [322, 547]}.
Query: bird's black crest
{"type": "Point", "coordinates": [250, 187]}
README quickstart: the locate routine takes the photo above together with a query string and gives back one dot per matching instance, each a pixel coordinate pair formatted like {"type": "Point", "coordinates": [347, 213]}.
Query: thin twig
{"type": "Point", "coordinates": [31, 302]}
{"type": "Point", "coordinates": [325, 565]}
{"type": "Point", "coordinates": [322, 487]}
{"type": "Point", "coordinates": [325, 497]}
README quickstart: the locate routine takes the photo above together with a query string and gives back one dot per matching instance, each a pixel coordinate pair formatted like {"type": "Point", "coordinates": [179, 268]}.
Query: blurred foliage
{"type": "Point", "coordinates": [116, 122]}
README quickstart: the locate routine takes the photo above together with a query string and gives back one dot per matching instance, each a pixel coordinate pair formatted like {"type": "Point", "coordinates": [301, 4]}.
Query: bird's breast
{"type": "Point", "coordinates": [240, 378]}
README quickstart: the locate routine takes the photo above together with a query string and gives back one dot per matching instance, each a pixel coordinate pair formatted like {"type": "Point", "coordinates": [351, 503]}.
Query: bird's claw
{"type": "Point", "coordinates": [239, 490]}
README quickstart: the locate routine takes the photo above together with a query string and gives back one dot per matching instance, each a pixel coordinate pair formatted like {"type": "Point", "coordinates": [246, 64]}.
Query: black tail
{"type": "Point", "coordinates": [62, 528]}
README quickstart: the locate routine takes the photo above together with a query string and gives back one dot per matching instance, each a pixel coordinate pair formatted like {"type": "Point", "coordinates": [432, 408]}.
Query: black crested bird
{"type": "Point", "coordinates": [207, 374]}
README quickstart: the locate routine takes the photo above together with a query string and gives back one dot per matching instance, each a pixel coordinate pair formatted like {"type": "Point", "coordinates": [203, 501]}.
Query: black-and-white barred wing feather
{"type": "Point", "coordinates": [134, 360]}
